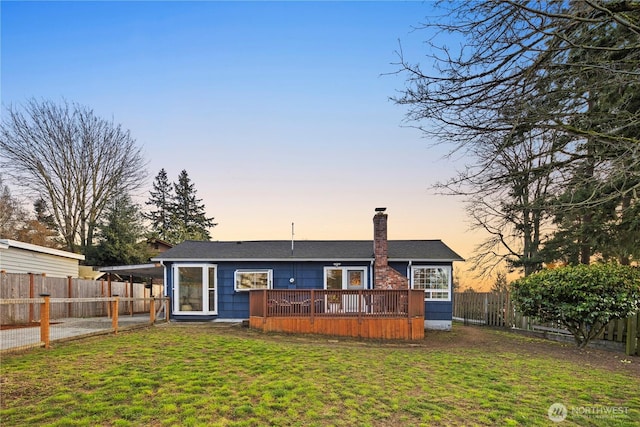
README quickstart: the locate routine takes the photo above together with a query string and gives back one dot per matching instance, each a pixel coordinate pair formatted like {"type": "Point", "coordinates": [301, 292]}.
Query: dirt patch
{"type": "Point", "coordinates": [500, 341]}
{"type": "Point", "coordinates": [512, 342]}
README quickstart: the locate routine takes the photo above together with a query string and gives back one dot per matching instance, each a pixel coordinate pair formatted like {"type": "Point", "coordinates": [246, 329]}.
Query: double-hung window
{"type": "Point", "coordinates": [246, 280]}
{"type": "Point", "coordinates": [435, 280]}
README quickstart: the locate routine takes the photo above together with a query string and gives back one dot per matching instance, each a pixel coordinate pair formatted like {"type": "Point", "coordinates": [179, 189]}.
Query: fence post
{"type": "Point", "coordinates": [31, 295]}
{"type": "Point", "coordinates": [632, 335]}
{"type": "Point", "coordinates": [69, 287]}
{"type": "Point", "coordinates": [114, 314]}
{"type": "Point", "coordinates": [508, 315]}
{"type": "Point", "coordinates": [44, 320]}
{"type": "Point", "coordinates": [152, 311]}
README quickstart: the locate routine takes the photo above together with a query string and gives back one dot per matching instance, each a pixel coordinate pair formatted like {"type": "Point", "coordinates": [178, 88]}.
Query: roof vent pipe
{"type": "Point", "coordinates": [292, 234]}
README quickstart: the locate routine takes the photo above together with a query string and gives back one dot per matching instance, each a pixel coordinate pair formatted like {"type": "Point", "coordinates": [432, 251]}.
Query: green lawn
{"type": "Point", "coordinates": [178, 375]}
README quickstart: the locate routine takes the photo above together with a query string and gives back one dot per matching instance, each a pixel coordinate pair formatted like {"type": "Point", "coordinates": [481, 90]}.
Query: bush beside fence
{"type": "Point", "coordinates": [496, 309]}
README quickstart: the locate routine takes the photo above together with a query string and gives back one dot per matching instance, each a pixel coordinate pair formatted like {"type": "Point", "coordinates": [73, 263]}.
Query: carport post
{"type": "Point", "coordinates": [131, 295]}
{"type": "Point", "coordinates": [109, 294]}
{"type": "Point", "coordinates": [44, 320]}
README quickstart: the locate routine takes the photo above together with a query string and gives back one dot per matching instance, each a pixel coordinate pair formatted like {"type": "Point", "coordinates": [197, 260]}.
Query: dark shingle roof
{"type": "Point", "coordinates": [329, 250]}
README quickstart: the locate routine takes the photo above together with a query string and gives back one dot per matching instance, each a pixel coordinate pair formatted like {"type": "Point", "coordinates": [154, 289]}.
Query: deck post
{"type": "Point", "coordinates": [312, 310]}
{"type": "Point", "coordinates": [409, 304]}
{"type": "Point", "coordinates": [265, 313]}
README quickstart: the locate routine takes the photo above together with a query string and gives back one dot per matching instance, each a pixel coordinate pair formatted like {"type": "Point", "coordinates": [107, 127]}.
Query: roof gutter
{"type": "Point", "coordinates": [261, 259]}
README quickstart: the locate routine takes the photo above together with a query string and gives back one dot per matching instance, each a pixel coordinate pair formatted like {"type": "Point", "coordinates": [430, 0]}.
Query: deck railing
{"type": "Point", "coordinates": [369, 303]}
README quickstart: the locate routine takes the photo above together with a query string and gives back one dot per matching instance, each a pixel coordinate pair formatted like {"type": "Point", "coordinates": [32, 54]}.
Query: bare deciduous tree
{"type": "Point", "coordinates": [73, 159]}
{"type": "Point", "coordinates": [508, 191]}
{"type": "Point", "coordinates": [564, 72]}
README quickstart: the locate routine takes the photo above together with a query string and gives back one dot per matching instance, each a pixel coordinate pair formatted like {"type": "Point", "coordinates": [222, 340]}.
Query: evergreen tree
{"type": "Point", "coordinates": [11, 213]}
{"type": "Point", "coordinates": [188, 218]}
{"type": "Point", "coordinates": [596, 214]}
{"type": "Point", "coordinates": [120, 235]}
{"type": "Point", "coordinates": [43, 215]}
{"type": "Point", "coordinates": [161, 201]}
{"type": "Point", "coordinates": [42, 229]}
{"type": "Point", "coordinates": [500, 284]}
{"type": "Point", "coordinates": [562, 75]}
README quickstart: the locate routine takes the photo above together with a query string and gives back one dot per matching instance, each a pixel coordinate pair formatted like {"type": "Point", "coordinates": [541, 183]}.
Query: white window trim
{"type": "Point", "coordinates": [447, 268]}
{"type": "Point", "coordinates": [252, 270]}
{"type": "Point", "coordinates": [345, 268]}
{"type": "Point", "coordinates": [205, 289]}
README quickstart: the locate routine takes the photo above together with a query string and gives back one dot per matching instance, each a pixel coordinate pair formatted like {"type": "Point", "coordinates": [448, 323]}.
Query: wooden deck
{"type": "Point", "coordinates": [382, 314]}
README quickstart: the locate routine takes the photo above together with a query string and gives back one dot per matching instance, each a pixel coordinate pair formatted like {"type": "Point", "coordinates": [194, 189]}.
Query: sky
{"type": "Point", "coordinates": [280, 112]}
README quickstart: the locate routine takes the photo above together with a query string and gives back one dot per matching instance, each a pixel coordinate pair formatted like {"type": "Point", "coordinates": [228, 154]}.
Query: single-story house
{"type": "Point", "coordinates": [209, 280]}
{"type": "Point", "coordinates": [20, 257]}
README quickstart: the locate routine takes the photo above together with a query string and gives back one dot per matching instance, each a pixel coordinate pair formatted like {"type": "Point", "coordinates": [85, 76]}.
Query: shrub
{"type": "Point", "coordinates": [582, 298]}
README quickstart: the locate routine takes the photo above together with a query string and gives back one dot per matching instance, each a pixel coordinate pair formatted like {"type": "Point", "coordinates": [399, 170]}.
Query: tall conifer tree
{"type": "Point", "coordinates": [120, 235]}
{"type": "Point", "coordinates": [188, 216]}
{"type": "Point", "coordinates": [161, 201]}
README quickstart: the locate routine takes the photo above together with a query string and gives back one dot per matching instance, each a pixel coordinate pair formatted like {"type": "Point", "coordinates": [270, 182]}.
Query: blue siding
{"type": "Point", "coordinates": [307, 275]}
{"type": "Point", "coordinates": [400, 267]}
{"type": "Point", "coordinates": [438, 310]}
{"type": "Point", "coordinates": [235, 305]}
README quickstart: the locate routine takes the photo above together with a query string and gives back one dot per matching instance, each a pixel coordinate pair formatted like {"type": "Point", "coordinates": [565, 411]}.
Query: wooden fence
{"type": "Point", "coordinates": [496, 309]}
{"type": "Point", "coordinates": [39, 334]}
{"type": "Point", "coordinates": [21, 286]}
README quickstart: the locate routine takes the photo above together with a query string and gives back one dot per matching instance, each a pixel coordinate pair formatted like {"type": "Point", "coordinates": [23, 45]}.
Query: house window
{"type": "Point", "coordinates": [194, 289]}
{"type": "Point", "coordinates": [253, 279]}
{"type": "Point", "coordinates": [434, 280]}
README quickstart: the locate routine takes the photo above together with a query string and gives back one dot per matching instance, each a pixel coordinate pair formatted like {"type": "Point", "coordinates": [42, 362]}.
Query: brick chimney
{"type": "Point", "coordinates": [384, 277]}
{"type": "Point", "coordinates": [380, 247]}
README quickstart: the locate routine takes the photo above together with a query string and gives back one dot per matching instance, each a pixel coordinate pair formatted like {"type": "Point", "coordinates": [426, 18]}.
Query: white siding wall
{"type": "Point", "coordinates": [16, 260]}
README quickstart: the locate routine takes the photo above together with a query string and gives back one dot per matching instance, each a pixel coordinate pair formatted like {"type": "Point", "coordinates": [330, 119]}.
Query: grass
{"type": "Point", "coordinates": [180, 375]}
